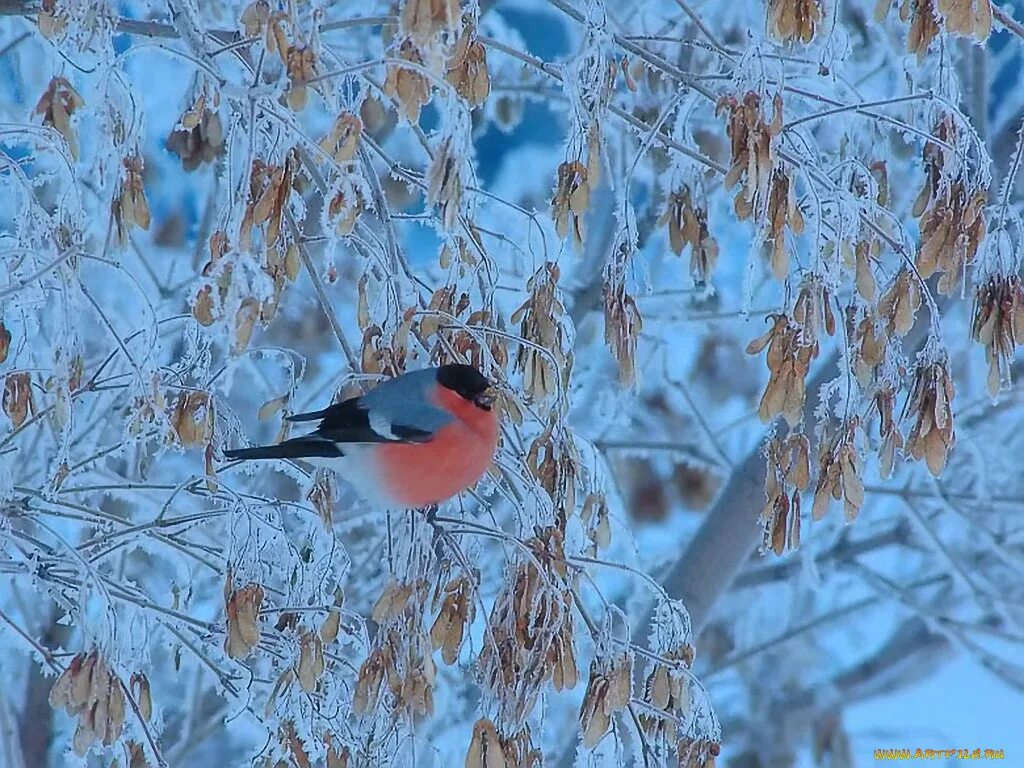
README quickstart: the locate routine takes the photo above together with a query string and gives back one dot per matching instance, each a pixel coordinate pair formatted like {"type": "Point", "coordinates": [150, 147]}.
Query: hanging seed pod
{"type": "Point", "coordinates": [90, 691]}
{"type": "Point", "coordinates": [300, 64]}
{"type": "Point", "coordinates": [424, 20]}
{"type": "Point", "coordinates": [750, 138]}
{"type": "Point", "coordinates": [688, 226]}
{"type": "Point", "coordinates": [406, 84]}
{"type": "Point", "coordinates": [791, 20]}
{"type": "Point", "coordinates": [467, 68]}
{"type": "Point", "coordinates": [129, 206]}
{"type": "Point", "coordinates": [571, 200]}
{"type": "Point", "coordinates": [199, 137]}
{"type": "Point", "coordinates": [17, 398]}
{"type": "Point", "coordinates": [243, 624]}
{"type": "Point", "coordinates": [445, 183]}
{"type": "Point", "coordinates": [5, 342]}
{"type": "Point", "coordinates": [932, 437]}
{"type": "Point", "coordinates": [57, 105]}
{"type": "Point", "coordinates": [343, 140]}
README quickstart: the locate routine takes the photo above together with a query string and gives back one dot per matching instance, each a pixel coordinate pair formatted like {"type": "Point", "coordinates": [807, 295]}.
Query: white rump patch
{"type": "Point", "coordinates": [357, 468]}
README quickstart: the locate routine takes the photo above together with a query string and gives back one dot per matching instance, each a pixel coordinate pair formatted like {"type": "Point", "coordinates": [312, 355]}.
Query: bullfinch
{"type": "Point", "coordinates": [413, 441]}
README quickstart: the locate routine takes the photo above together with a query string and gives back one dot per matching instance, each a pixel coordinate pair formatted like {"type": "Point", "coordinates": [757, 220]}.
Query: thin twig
{"type": "Point", "coordinates": [321, 293]}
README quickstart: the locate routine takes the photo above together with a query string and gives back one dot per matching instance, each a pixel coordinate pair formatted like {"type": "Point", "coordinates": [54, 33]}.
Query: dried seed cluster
{"type": "Point", "coordinates": [138, 684]}
{"type": "Point", "coordinates": [667, 688]}
{"type": "Point", "coordinates": [321, 495]}
{"type": "Point", "coordinates": [342, 142]}
{"type": "Point", "coordinates": [788, 475]}
{"type": "Point", "coordinates": [999, 325]}
{"type": "Point", "coordinates": [622, 320]}
{"type": "Point", "coordinates": [924, 24]}
{"type": "Point", "coordinates": [204, 309]}
{"type": "Point", "coordinates": [608, 692]}
{"type": "Point", "coordinates": [951, 212]}
{"type": "Point", "coordinates": [129, 205]}
{"type": "Point", "coordinates": [382, 352]}
{"type": "Point", "coordinates": [199, 137]}
{"type": "Point", "coordinates": [554, 460]}
{"type": "Point", "coordinates": [145, 407]}
{"type": "Point", "coordinates": [254, 19]}
{"type": "Point", "coordinates": [192, 419]}
{"type": "Point", "coordinates": [52, 20]}
{"type": "Point", "coordinates": [445, 186]}
{"type": "Point", "coordinates": [962, 17]}
{"type": "Point", "coordinates": [788, 359]}
{"type": "Point", "coordinates": [783, 212]}
{"type": "Point", "coordinates": [571, 200]}
{"type": "Point", "coordinates": [425, 20]}
{"type": "Point", "coordinates": [300, 64]}
{"type": "Point", "coordinates": [840, 470]}
{"type": "Point", "coordinates": [489, 749]}
{"type": "Point", "coordinates": [595, 518]}
{"type": "Point", "coordinates": [57, 104]}
{"type": "Point", "coordinates": [531, 625]}
{"type": "Point", "coordinates": [467, 67]}
{"type": "Point", "coordinates": [135, 755]}
{"type": "Point", "coordinates": [345, 208]}
{"type": "Point", "coordinates": [869, 349]}
{"type": "Point", "coordinates": [899, 304]}
{"type": "Point", "coordinates": [967, 17]}
{"type": "Point", "coordinates": [892, 438]}
{"type": "Point", "coordinates": [402, 654]}
{"type": "Point", "coordinates": [467, 342]}
{"type": "Point", "coordinates": [540, 324]}
{"type": "Point", "coordinates": [5, 342]}
{"type": "Point", "coordinates": [688, 226]}
{"type": "Point", "coordinates": [281, 266]}
{"type": "Point", "coordinates": [310, 665]}
{"type": "Point", "coordinates": [89, 690]}
{"type": "Point", "coordinates": [697, 753]}
{"type": "Point", "coordinates": [453, 620]}
{"type": "Point", "coordinates": [17, 399]}
{"type": "Point", "coordinates": [269, 188]}
{"type": "Point", "coordinates": [862, 254]}
{"type": "Point", "coordinates": [791, 20]}
{"type": "Point", "coordinates": [750, 143]}
{"type": "Point", "coordinates": [931, 403]}
{"type": "Point", "coordinates": [407, 84]}
{"type": "Point", "coordinates": [242, 607]}
{"type": "Point", "coordinates": [299, 58]}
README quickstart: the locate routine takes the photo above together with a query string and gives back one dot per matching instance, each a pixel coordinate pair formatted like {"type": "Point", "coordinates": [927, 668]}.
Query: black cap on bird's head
{"type": "Point", "coordinates": [467, 382]}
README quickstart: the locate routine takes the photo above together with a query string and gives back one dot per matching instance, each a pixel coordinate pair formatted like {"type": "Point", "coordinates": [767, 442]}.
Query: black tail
{"type": "Point", "coordinates": [311, 416]}
{"type": "Point", "coordinates": [296, 448]}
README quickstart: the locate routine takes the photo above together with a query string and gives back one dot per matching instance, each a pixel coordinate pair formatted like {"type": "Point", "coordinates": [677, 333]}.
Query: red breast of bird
{"type": "Point", "coordinates": [421, 474]}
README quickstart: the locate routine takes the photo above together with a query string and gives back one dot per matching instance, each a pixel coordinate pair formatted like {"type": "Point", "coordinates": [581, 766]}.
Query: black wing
{"type": "Point", "coordinates": [349, 422]}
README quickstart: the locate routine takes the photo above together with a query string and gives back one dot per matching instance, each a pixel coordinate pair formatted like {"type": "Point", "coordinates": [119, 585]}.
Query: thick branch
{"type": "Point", "coordinates": [843, 549]}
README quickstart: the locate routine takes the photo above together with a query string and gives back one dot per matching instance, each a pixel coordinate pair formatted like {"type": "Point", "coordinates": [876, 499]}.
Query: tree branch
{"type": "Point", "coordinates": [731, 530]}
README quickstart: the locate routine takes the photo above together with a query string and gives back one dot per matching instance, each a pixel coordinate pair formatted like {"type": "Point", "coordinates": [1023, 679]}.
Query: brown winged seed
{"type": "Point", "coordinates": [243, 622]}
{"type": "Point", "coordinates": [999, 325]}
{"type": "Point", "coordinates": [931, 402]}
{"type": "Point", "coordinates": [791, 20]}
{"type": "Point", "coordinates": [57, 104]}
{"type": "Point", "coordinates": [89, 690]}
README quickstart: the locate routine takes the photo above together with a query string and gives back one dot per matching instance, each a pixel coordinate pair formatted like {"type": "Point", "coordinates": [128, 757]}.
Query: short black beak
{"type": "Point", "coordinates": [486, 398]}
